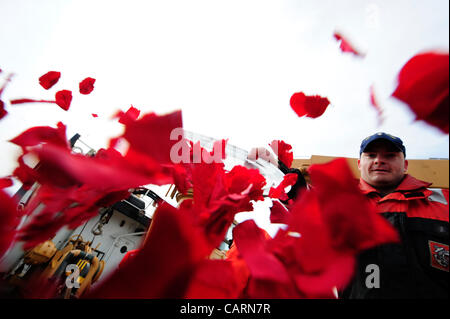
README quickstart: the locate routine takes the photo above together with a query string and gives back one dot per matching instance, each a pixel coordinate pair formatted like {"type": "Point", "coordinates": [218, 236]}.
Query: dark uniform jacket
{"type": "Point", "coordinates": [418, 266]}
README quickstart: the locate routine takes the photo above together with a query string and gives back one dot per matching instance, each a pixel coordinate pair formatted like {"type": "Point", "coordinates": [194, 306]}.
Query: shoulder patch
{"type": "Point", "coordinates": [438, 255]}
{"type": "Point", "coordinates": [437, 196]}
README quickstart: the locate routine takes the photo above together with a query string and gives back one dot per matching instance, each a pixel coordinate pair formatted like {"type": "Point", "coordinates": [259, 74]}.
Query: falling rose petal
{"type": "Point", "coordinates": [376, 105]}
{"type": "Point", "coordinates": [310, 106]}
{"type": "Point", "coordinates": [63, 99]}
{"type": "Point", "coordinates": [151, 135]}
{"type": "Point", "coordinates": [3, 112]}
{"type": "Point", "coordinates": [22, 101]}
{"type": "Point", "coordinates": [283, 151]}
{"type": "Point", "coordinates": [60, 167]}
{"type": "Point", "coordinates": [94, 115]}
{"type": "Point", "coordinates": [250, 242]}
{"type": "Point", "coordinates": [345, 45]}
{"type": "Point", "coordinates": [39, 134]}
{"type": "Point", "coordinates": [87, 85]}
{"type": "Point", "coordinates": [8, 221]}
{"type": "Point", "coordinates": [129, 116]}
{"type": "Point", "coordinates": [5, 182]}
{"type": "Point", "coordinates": [49, 79]}
{"type": "Point", "coordinates": [423, 84]}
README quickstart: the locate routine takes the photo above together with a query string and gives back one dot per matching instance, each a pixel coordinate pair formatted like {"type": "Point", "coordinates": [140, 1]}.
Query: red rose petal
{"type": "Point", "coordinates": [423, 84]}
{"type": "Point", "coordinates": [213, 279]}
{"type": "Point", "coordinates": [283, 151]}
{"type": "Point", "coordinates": [8, 221]}
{"type": "Point", "coordinates": [250, 241]}
{"type": "Point", "coordinates": [374, 103]}
{"type": "Point", "coordinates": [3, 112]}
{"type": "Point", "coordinates": [278, 213]}
{"type": "Point", "coordinates": [151, 134]}
{"type": "Point", "coordinates": [310, 106]}
{"type": "Point", "coordinates": [345, 45]}
{"type": "Point", "coordinates": [279, 192]}
{"type": "Point", "coordinates": [87, 85]}
{"type": "Point", "coordinates": [63, 99]}
{"type": "Point", "coordinates": [49, 79]}
{"type": "Point", "coordinates": [22, 101]}
{"type": "Point", "coordinates": [39, 134]}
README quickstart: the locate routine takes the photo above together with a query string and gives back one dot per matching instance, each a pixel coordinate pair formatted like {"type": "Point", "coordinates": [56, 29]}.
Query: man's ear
{"type": "Point", "coordinates": [406, 166]}
{"type": "Point", "coordinates": [359, 164]}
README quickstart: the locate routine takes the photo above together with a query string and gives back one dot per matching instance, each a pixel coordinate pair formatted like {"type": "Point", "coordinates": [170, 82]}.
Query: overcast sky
{"type": "Point", "coordinates": [230, 66]}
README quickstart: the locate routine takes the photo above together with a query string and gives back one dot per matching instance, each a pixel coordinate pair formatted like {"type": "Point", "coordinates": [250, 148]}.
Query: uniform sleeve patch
{"type": "Point", "coordinates": [438, 255]}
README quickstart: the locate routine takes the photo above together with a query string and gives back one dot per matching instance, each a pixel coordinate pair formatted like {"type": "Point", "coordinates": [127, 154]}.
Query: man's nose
{"type": "Point", "coordinates": [379, 159]}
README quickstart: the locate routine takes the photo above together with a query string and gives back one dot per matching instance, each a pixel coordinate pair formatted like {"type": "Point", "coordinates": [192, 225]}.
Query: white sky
{"type": "Point", "coordinates": [231, 66]}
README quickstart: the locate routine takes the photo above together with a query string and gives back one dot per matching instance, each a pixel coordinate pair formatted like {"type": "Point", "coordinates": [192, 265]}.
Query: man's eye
{"type": "Point", "coordinates": [391, 155]}
{"type": "Point", "coordinates": [371, 155]}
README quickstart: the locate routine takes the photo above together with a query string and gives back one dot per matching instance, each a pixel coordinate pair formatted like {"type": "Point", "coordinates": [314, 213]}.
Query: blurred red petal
{"type": "Point", "coordinates": [213, 279]}
{"type": "Point", "coordinates": [63, 99]}
{"type": "Point", "coordinates": [94, 115]}
{"type": "Point", "coordinates": [346, 46]}
{"type": "Point", "coordinates": [8, 221]}
{"type": "Point", "coordinates": [42, 134]}
{"type": "Point", "coordinates": [283, 151]}
{"type": "Point", "coordinates": [87, 85]}
{"type": "Point", "coordinates": [5, 182]}
{"type": "Point", "coordinates": [60, 167]}
{"type": "Point", "coordinates": [3, 112]}
{"type": "Point", "coordinates": [22, 101]}
{"type": "Point", "coordinates": [310, 106]}
{"type": "Point", "coordinates": [423, 84]}
{"type": "Point", "coordinates": [279, 192]}
{"type": "Point", "coordinates": [151, 135]}
{"type": "Point", "coordinates": [250, 242]}
{"type": "Point", "coordinates": [49, 79]}
{"type": "Point", "coordinates": [278, 213]}
{"type": "Point", "coordinates": [376, 105]}
{"type": "Point", "coordinates": [130, 115]}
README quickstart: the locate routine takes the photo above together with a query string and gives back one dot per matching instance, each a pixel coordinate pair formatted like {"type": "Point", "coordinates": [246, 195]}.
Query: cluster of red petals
{"type": "Point", "coordinates": [423, 84]}
{"type": "Point", "coordinates": [346, 46]}
{"type": "Point", "coordinates": [310, 106]}
{"type": "Point", "coordinates": [74, 186]}
{"type": "Point", "coordinates": [87, 85]}
{"type": "Point", "coordinates": [49, 79]}
{"type": "Point", "coordinates": [63, 98]}
{"type": "Point", "coordinates": [326, 228]}
{"type": "Point", "coordinates": [283, 151]}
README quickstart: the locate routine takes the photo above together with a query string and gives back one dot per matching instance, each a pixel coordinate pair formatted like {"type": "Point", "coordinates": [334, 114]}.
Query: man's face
{"type": "Point", "coordinates": [382, 165]}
